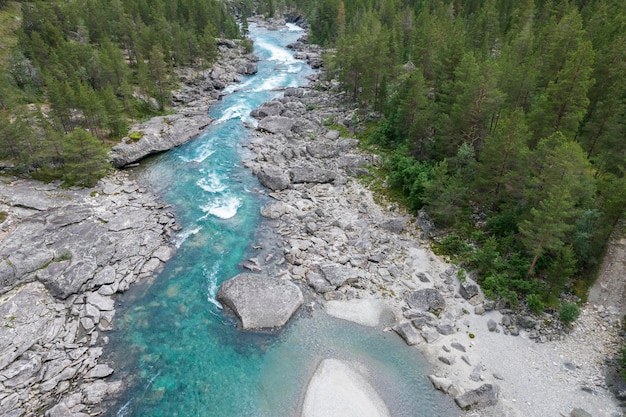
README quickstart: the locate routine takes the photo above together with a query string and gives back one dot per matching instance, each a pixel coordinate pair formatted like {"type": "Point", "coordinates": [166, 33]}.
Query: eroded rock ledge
{"type": "Point", "coordinates": [64, 255]}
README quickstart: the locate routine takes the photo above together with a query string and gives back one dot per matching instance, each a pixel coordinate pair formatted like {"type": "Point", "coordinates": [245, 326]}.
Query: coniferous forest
{"type": "Point", "coordinates": [505, 120]}
{"type": "Point", "coordinates": [75, 73]}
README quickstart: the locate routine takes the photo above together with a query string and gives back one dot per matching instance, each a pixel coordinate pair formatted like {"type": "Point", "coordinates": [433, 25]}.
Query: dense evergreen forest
{"type": "Point", "coordinates": [504, 119]}
{"type": "Point", "coordinates": [73, 74]}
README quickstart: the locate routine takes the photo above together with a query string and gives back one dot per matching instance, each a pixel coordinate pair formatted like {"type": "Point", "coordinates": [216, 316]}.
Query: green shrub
{"type": "Point", "coordinates": [135, 136]}
{"type": "Point", "coordinates": [454, 245]}
{"type": "Point", "coordinates": [568, 313]}
{"type": "Point", "coordinates": [535, 304]}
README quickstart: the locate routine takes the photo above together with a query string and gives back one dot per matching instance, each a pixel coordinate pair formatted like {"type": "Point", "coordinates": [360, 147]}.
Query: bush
{"type": "Point", "coordinates": [534, 303]}
{"type": "Point", "coordinates": [568, 313]}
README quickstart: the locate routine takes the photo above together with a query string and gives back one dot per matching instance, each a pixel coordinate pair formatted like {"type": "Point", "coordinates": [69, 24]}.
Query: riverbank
{"type": "Point", "coordinates": [345, 246]}
{"type": "Point", "coordinates": [65, 254]}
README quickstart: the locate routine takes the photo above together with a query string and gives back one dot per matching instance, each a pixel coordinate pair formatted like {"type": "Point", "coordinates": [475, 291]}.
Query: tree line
{"type": "Point", "coordinates": [505, 120]}
{"type": "Point", "coordinates": [83, 69]}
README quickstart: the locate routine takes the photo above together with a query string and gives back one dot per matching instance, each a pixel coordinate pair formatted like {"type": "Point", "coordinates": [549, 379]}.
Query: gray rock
{"type": "Point", "coordinates": [447, 359]}
{"type": "Point", "coordinates": [273, 178]}
{"type": "Point", "coordinates": [260, 302]}
{"type": "Point", "coordinates": [440, 383]}
{"type": "Point", "coordinates": [506, 320]}
{"type": "Point", "coordinates": [338, 274]}
{"type": "Point", "coordinates": [527, 322]}
{"type": "Point", "coordinates": [514, 331]}
{"type": "Point", "coordinates": [311, 174]}
{"type": "Point", "coordinates": [395, 225]}
{"type": "Point", "coordinates": [484, 396]}
{"type": "Point", "coordinates": [430, 335]}
{"type": "Point", "coordinates": [468, 289]}
{"type": "Point", "coordinates": [445, 329]}
{"type": "Point", "coordinates": [409, 333]}
{"type": "Point", "coordinates": [274, 209]}
{"type": "Point", "coordinates": [158, 134]}
{"type": "Point", "coordinates": [476, 374]}
{"type": "Point", "coordinates": [489, 305]}
{"type": "Point", "coordinates": [428, 299]}
{"type": "Point", "coordinates": [271, 108]}
{"type": "Point", "coordinates": [319, 149]}
{"type": "Point", "coordinates": [492, 325]}
{"type": "Point", "coordinates": [579, 412]}
{"type": "Point", "coordinates": [319, 283]}
{"type": "Point", "coordinates": [332, 135]}
{"type": "Point", "coordinates": [422, 277]}
{"type": "Point", "coordinates": [458, 346]}
{"type": "Point", "coordinates": [479, 310]}
{"type": "Point", "coordinates": [276, 124]}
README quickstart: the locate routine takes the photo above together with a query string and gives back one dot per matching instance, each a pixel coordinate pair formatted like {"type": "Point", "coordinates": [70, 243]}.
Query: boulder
{"type": "Point", "coordinates": [409, 333]}
{"type": "Point", "coordinates": [428, 299]}
{"type": "Point", "coordinates": [274, 209]}
{"type": "Point", "coordinates": [275, 124]}
{"type": "Point", "coordinates": [338, 274]}
{"type": "Point", "coordinates": [312, 174]}
{"type": "Point", "coordinates": [273, 178]}
{"type": "Point", "coordinates": [468, 289]}
{"type": "Point", "coordinates": [492, 325]}
{"type": "Point", "coordinates": [157, 135]}
{"type": "Point", "coordinates": [260, 302]}
{"type": "Point", "coordinates": [484, 396]}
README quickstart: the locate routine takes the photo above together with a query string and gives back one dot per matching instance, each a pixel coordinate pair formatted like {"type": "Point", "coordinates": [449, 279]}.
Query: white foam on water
{"type": "Point", "coordinates": [183, 235]}
{"type": "Point", "coordinates": [224, 207]}
{"type": "Point", "coordinates": [212, 287]}
{"type": "Point", "coordinates": [272, 83]}
{"type": "Point", "coordinates": [238, 110]}
{"type": "Point", "coordinates": [212, 183]}
{"type": "Point", "coordinates": [276, 53]}
{"type": "Point", "coordinates": [291, 27]}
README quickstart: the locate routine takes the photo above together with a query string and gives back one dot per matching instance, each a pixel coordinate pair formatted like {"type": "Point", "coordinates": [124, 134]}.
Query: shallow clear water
{"type": "Point", "coordinates": [174, 347]}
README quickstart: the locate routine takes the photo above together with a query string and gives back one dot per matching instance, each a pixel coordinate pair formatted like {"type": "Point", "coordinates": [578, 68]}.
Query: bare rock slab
{"type": "Point", "coordinates": [260, 302]}
{"type": "Point", "coordinates": [338, 389]}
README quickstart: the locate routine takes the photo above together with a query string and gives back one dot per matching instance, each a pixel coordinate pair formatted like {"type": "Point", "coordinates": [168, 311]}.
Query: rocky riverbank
{"type": "Point", "coordinates": [345, 246]}
{"type": "Point", "coordinates": [66, 254]}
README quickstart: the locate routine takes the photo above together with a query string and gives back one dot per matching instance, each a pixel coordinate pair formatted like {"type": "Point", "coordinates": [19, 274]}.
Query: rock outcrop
{"type": "Point", "coordinates": [64, 254]}
{"type": "Point", "coordinates": [260, 302]}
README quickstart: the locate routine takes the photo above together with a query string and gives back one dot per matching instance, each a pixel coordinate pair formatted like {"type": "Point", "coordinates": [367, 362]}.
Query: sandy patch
{"type": "Point", "coordinates": [339, 389]}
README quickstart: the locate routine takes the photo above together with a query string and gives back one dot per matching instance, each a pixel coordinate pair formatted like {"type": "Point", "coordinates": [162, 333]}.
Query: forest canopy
{"type": "Point", "coordinates": [505, 120]}
{"type": "Point", "coordinates": [73, 74]}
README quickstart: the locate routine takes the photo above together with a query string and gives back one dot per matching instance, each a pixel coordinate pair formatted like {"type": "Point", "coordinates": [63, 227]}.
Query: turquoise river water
{"type": "Point", "coordinates": [175, 349]}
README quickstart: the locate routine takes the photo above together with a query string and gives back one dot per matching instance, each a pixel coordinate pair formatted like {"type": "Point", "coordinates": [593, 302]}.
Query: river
{"type": "Point", "coordinates": [175, 349]}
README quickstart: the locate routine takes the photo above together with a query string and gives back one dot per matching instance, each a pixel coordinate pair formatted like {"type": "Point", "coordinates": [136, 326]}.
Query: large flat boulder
{"type": "Point", "coordinates": [337, 389]}
{"type": "Point", "coordinates": [260, 302]}
{"type": "Point", "coordinates": [156, 135]}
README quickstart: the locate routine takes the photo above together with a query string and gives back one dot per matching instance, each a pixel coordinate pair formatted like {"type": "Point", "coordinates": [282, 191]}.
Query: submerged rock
{"type": "Point", "coordinates": [337, 389]}
{"type": "Point", "coordinates": [260, 302]}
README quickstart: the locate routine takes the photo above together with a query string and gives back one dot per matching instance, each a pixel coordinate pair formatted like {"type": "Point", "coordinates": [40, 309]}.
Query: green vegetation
{"type": "Point", "coordinates": [568, 313]}
{"type": "Point", "coordinates": [504, 120]}
{"type": "Point", "coordinates": [3, 216]}
{"type": "Point", "coordinates": [74, 74]}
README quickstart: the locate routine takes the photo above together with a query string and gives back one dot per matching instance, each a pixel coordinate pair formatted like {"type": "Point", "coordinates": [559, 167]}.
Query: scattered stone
{"type": "Point", "coordinates": [484, 396]}
{"type": "Point", "coordinates": [428, 299]}
{"type": "Point", "coordinates": [447, 359]}
{"type": "Point", "coordinates": [479, 310]}
{"type": "Point", "coordinates": [492, 325]}
{"type": "Point", "coordinates": [458, 346]}
{"type": "Point", "coordinates": [430, 335]}
{"type": "Point", "coordinates": [468, 289]}
{"type": "Point", "coordinates": [440, 383]}
{"type": "Point", "coordinates": [445, 329]}
{"type": "Point", "coordinates": [410, 335]}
